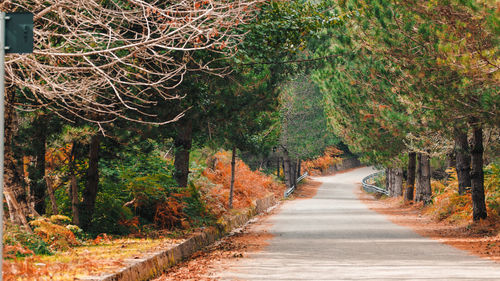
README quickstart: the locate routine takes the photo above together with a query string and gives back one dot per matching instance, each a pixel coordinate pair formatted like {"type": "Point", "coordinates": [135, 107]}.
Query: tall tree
{"type": "Point", "coordinates": [237, 104]}
{"type": "Point", "coordinates": [410, 182]}
{"type": "Point", "coordinates": [36, 152]}
{"type": "Point", "coordinates": [423, 190]}
{"type": "Point", "coordinates": [477, 175]}
{"type": "Point", "coordinates": [462, 154]}
{"type": "Point", "coordinates": [304, 127]}
{"type": "Point", "coordinates": [87, 205]}
{"type": "Point", "coordinates": [92, 62]}
{"type": "Point", "coordinates": [420, 62]}
{"type": "Point", "coordinates": [183, 143]}
{"type": "Point", "coordinates": [14, 190]}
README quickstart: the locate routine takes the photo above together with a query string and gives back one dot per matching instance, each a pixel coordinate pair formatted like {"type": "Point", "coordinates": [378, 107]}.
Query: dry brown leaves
{"type": "Point", "coordinates": [480, 239]}
{"type": "Point", "coordinates": [89, 260]}
{"type": "Point", "coordinates": [306, 190]}
{"type": "Point", "coordinates": [34, 268]}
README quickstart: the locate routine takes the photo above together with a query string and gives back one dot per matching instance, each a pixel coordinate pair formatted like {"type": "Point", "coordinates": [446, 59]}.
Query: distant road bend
{"type": "Point", "coordinates": [334, 236]}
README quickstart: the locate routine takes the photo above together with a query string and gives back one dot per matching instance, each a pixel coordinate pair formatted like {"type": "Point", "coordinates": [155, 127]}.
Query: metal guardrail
{"type": "Point", "coordinates": [289, 191]}
{"type": "Point", "coordinates": [372, 188]}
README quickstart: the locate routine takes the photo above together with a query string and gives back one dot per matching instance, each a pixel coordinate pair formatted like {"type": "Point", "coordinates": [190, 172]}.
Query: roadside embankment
{"type": "Point", "coordinates": [156, 263]}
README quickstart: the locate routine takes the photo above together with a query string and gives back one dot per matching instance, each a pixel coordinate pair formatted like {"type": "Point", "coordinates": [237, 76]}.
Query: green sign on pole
{"type": "Point", "coordinates": [19, 33]}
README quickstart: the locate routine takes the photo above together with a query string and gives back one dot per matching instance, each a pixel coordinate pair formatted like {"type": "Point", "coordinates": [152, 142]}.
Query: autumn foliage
{"type": "Point", "coordinates": [172, 208]}
{"type": "Point", "coordinates": [248, 185]}
{"type": "Point", "coordinates": [321, 164]}
{"type": "Point", "coordinates": [56, 231]}
{"type": "Point", "coordinates": [170, 213]}
{"type": "Point", "coordinates": [450, 206]}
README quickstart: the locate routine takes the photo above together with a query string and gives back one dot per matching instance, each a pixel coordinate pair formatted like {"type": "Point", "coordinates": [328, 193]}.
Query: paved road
{"type": "Point", "coordinates": [334, 236]}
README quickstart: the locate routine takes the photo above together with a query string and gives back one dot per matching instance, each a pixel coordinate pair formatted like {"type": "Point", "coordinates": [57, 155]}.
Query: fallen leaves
{"type": "Point", "coordinates": [307, 189]}
{"type": "Point", "coordinates": [90, 260]}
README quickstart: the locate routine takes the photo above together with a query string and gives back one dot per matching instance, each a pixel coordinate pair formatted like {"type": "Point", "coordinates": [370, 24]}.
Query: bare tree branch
{"type": "Point", "coordinates": [102, 60]}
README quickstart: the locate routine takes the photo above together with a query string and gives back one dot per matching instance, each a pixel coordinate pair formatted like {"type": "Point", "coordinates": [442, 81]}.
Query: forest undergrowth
{"type": "Point", "coordinates": [449, 206]}
{"type": "Point", "coordinates": [59, 250]}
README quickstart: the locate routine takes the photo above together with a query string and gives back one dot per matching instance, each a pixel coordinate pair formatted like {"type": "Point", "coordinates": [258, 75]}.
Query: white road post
{"type": "Point", "coordinates": [2, 129]}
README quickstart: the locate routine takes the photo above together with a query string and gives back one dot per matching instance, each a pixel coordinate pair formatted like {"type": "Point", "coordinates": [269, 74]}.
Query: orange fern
{"type": "Point", "coordinates": [321, 164]}
{"type": "Point", "coordinates": [248, 185]}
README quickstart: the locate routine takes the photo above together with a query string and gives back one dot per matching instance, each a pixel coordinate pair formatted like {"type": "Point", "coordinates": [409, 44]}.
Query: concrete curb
{"type": "Point", "coordinates": [157, 263]}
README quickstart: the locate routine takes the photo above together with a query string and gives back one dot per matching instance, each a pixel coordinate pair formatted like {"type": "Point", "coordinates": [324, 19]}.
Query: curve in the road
{"type": "Point", "coordinates": [334, 236]}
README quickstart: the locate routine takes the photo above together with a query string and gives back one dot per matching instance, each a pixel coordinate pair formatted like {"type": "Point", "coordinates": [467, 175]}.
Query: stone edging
{"type": "Point", "coordinates": [157, 263]}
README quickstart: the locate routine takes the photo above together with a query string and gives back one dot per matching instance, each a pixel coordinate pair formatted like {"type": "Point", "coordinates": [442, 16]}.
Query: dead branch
{"type": "Point", "coordinates": [102, 60]}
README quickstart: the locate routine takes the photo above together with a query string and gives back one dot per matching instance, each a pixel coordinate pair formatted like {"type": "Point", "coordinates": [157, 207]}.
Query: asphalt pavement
{"type": "Point", "coordinates": [334, 236]}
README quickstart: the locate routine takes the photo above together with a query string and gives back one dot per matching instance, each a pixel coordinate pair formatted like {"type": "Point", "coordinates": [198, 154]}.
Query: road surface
{"type": "Point", "coordinates": [334, 236]}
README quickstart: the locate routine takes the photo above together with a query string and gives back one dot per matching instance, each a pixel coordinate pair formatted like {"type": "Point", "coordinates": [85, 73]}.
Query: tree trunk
{"type": "Point", "coordinates": [418, 179]}
{"type": "Point", "coordinates": [15, 211]}
{"type": "Point", "coordinates": [52, 197]}
{"type": "Point", "coordinates": [392, 181]}
{"type": "Point", "coordinates": [183, 142]}
{"type": "Point", "coordinates": [74, 199]}
{"type": "Point", "coordinates": [38, 184]}
{"type": "Point", "coordinates": [92, 188]}
{"type": "Point", "coordinates": [293, 170]}
{"type": "Point", "coordinates": [286, 169]}
{"type": "Point", "coordinates": [233, 166]}
{"type": "Point", "coordinates": [410, 182]}
{"type": "Point", "coordinates": [423, 190]}
{"type": "Point", "coordinates": [15, 192]}
{"type": "Point", "coordinates": [388, 180]}
{"type": "Point", "coordinates": [451, 160]}
{"type": "Point", "coordinates": [477, 175]}
{"type": "Point", "coordinates": [283, 166]}
{"type": "Point", "coordinates": [299, 168]}
{"type": "Point", "coordinates": [278, 163]}
{"type": "Point", "coordinates": [398, 182]}
{"type": "Point", "coordinates": [73, 186]}
{"type": "Point", "coordinates": [463, 160]}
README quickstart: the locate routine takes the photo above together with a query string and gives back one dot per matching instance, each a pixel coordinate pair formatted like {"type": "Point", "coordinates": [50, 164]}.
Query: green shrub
{"type": "Point", "coordinates": [379, 180]}
{"type": "Point", "coordinates": [108, 215]}
{"type": "Point", "coordinates": [196, 209]}
{"type": "Point", "coordinates": [14, 236]}
{"type": "Point", "coordinates": [138, 190]}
